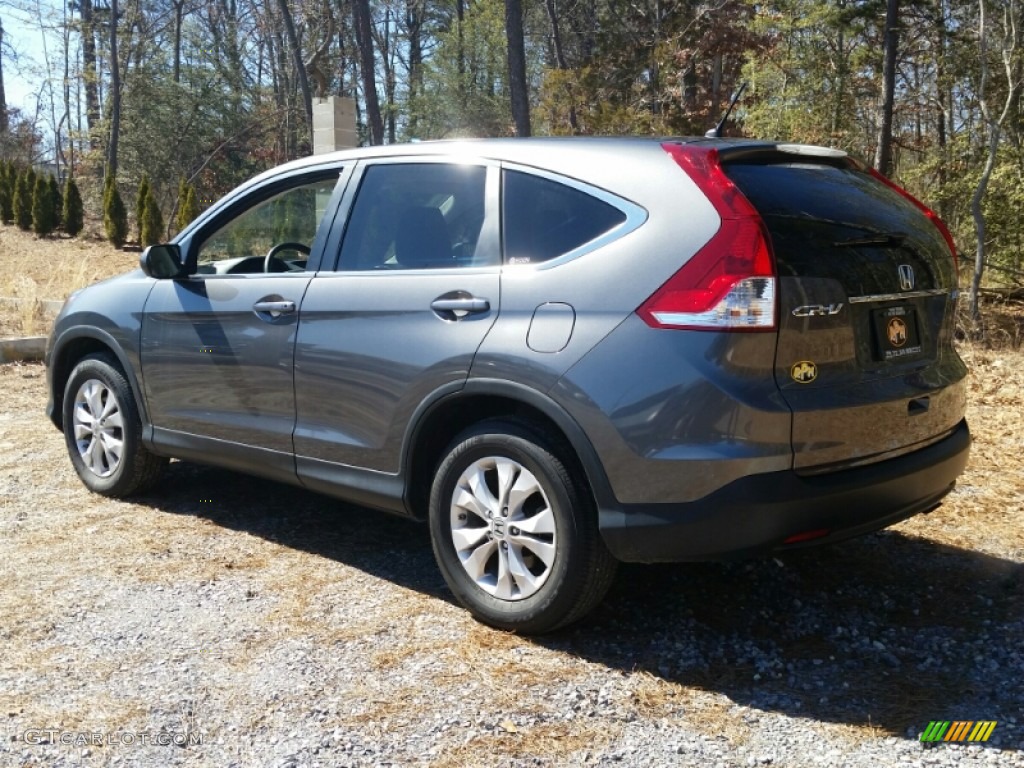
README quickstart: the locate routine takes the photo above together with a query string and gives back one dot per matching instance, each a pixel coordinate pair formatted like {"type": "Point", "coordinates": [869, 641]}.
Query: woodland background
{"type": "Point", "coordinates": [212, 91]}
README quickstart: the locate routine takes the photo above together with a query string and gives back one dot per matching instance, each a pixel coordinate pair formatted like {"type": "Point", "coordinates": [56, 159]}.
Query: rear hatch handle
{"type": "Point", "coordinates": [918, 405]}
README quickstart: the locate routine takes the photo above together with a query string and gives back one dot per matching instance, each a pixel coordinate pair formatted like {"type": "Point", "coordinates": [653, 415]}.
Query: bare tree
{"type": "Point", "coordinates": [559, 51]}
{"type": "Point", "coordinates": [364, 40]}
{"type": "Point", "coordinates": [993, 125]}
{"type": "Point", "coordinates": [293, 43]}
{"type": "Point", "coordinates": [90, 74]}
{"type": "Point", "coordinates": [179, 19]}
{"type": "Point", "coordinates": [115, 94]}
{"type": "Point", "coordinates": [3, 96]}
{"type": "Point", "coordinates": [883, 153]}
{"type": "Point", "coordinates": [414, 17]}
{"type": "Point", "coordinates": [313, 64]}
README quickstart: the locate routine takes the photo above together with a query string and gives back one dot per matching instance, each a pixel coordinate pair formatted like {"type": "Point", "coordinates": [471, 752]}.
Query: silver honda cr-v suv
{"type": "Point", "coordinates": [560, 353]}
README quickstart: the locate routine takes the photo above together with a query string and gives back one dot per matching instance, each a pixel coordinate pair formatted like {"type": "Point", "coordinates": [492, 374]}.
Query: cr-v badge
{"type": "Point", "coordinates": [817, 310]}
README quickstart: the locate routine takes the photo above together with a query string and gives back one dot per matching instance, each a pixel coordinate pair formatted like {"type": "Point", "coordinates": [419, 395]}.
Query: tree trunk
{"type": "Point", "coordinates": [883, 154]}
{"type": "Point", "coordinates": [344, 59]}
{"type": "Point", "coordinates": [460, 14]}
{"type": "Point", "coordinates": [838, 113]}
{"type": "Point", "coordinates": [979, 220]}
{"type": "Point", "coordinates": [92, 97]}
{"type": "Point", "coordinates": [179, 17]}
{"type": "Point", "coordinates": [3, 96]}
{"type": "Point", "coordinates": [69, 159]}
{"type": "Point", "coordinates": [414, 35]}
{"type": "Point", "coordinates": [115, 94]}
{"type": "Point", "coordinates": [994, 126]}
{"type": "Point", "coordinates": [364, 39]}
{"type": "Point", "coordinates": [941, 105]}
{"type": "Point", "coordinates": [293, 43]}
{"type": "Point", "coordinates": [387, 59]}
{"type": "Point", "coordinates": [517, 66]}
{"type": "Point", "coordinates": [560, 60]}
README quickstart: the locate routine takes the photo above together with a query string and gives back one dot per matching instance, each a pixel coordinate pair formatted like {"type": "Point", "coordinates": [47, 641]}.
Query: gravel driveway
{"type": "Point", "coordinates": [227, 621]}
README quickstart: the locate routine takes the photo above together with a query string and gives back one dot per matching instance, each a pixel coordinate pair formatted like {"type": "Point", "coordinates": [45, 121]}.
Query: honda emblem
{"type": "Point", "coordinates": [906, 277]}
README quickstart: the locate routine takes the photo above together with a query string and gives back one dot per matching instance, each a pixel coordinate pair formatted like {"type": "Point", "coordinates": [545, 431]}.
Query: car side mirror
{"type": "Point", "coordinates": [162, 262]}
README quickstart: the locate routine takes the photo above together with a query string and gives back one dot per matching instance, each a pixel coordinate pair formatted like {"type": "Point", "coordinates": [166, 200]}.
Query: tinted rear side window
{"type": "Point", "coordinates": [827, 221]}
{"type": "Point", "coordinates": [417, 216]}
{"type": "Point", "coordinates": [544, 219]}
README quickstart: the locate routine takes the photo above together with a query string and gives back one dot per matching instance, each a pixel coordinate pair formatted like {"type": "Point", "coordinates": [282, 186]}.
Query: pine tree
{"type": "Point", "coordinates": [42, 207]}
{"type": "Point", "coordinates": [115, 217]}
{"type": "Point", "coordinates": [188, 207]}
{"type": "Point", "coordinates": [58, 202]}
{"type": "Point", "coordinates": [152, 221]}
{"type": "Point", "coordinates": [23, 199]}
{"type": "Point", "coordinates": [6, 194]}
{"type": "Point", "coordinates": [140, 204]}
{"type": "Point", "coordinates": [72, 214]}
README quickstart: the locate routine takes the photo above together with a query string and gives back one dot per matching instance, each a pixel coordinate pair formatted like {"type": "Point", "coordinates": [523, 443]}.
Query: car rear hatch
{"type": "Point", "coordinates": [867, 293]}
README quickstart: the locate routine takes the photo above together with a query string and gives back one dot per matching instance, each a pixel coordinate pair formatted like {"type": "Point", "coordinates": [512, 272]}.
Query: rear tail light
{"type": "Point", "coordinates": [932, 215]}
{"type": "Point", "coordinates": [730, 283]}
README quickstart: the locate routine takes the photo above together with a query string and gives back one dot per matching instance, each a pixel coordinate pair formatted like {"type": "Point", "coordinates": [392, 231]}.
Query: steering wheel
{"type": "Point", "coordinates": [272, 256]}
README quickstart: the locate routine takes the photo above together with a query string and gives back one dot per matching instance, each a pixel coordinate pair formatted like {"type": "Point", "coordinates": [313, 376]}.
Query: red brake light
{"type": "Point", "coordinates": [729, 284]}
{"type": "Point", "coordinates": [932, 215]}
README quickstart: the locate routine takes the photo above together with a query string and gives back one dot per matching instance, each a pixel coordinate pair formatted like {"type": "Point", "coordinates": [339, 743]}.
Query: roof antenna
{"type": "Point", "coordinates": [716, 132]}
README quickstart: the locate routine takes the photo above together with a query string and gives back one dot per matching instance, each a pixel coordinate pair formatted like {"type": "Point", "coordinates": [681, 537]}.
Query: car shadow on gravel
{"type": "Point", "coordinates": [381, 544]}
{"type": "Point", "coordinates": [888, 630]}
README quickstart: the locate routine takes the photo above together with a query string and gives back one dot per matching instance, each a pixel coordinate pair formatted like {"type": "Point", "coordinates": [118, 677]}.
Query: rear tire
{"type": "Point", "coordinates": [514, 533]}
{"type": "Point", "coordinates": [103, 431]}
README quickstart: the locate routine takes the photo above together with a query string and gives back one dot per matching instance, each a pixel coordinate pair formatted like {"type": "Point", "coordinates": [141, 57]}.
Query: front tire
{"type": "Point", "coordinates": [103, 431]}
{"type": "Point", "coordinates": [514, 534]}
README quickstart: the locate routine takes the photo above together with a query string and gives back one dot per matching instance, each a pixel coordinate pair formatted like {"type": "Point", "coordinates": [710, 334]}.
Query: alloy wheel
{"type": "Point", "coordinates": [503, 528]}
{"type": "Point", "coordinates": [98, 427]}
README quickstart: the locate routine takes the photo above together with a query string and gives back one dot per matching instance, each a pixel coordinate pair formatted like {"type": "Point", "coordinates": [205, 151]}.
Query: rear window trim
{"type": "Point", "coordinates": [897, 296]}
{"type": "Point", "coordinates": [636, 215]}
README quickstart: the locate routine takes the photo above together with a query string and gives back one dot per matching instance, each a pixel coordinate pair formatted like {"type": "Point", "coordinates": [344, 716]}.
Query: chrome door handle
{"type": "Point", "coordinates": [460, 305]}
{"type": "Point", "coordinates": [274, 308]}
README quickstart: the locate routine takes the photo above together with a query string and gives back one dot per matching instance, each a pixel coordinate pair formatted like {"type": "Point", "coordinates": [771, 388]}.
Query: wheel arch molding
{"type": "Point", "coordinates": [438, 419]}
{"type": "Point", "coordinates": [76, 343]}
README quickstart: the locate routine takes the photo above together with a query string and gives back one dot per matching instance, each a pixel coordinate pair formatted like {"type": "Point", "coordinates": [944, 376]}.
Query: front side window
{"type": "Point", "coordinates": [274, 235]}
{"type": "Point", "coordinates": [417, 216]}
{"type": "Point", "coordinates": [544, 219]}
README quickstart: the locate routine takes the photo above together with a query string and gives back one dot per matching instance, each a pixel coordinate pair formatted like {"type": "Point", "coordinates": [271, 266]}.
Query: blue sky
{"type": "Point", "coordinates": [22, 79]}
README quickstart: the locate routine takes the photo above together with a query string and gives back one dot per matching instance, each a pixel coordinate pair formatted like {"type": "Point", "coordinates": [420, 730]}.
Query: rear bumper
{"type": "Point", "coordinates": [756, 515]}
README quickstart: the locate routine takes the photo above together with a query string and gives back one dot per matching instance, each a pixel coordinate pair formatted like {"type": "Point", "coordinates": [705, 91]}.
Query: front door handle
{"type": "Point", "coordinates": [274, 308]}
{"type": "Point", "coordinates": [461, 306]}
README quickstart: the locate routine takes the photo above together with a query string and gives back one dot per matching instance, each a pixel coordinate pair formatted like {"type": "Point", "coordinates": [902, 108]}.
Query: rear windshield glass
{"type": "Point", "coordinates": [814, 210]}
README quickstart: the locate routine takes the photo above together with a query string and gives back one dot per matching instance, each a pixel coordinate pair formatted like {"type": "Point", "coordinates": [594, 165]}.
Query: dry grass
{"type": "Point", "coordinates": [989, 498]}
{"type": "Point", "coordinates": [570, 743]}
{"type": "Point", "coordinates": [36, 269]}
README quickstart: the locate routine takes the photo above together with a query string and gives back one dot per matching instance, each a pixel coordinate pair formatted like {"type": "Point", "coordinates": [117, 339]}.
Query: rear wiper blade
{"type": "Point", "coordinates": [881, 238]}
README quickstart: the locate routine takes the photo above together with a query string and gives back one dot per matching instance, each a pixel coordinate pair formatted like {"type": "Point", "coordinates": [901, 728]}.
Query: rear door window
{"type": "Point", "coordinates": [544, 219]}
{"type": "Point", "coordinates": [418, 216]}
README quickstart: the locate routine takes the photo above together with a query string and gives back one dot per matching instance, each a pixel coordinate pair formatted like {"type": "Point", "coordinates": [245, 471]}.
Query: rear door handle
{"type": "Point", "coordinates": [274, 308]}
{"type": "Point", "coordinates": [460, 306]}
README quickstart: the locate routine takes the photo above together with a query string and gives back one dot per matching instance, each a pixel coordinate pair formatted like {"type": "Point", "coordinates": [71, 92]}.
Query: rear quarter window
{"type": "Point", "coordinates": [544, 219]}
